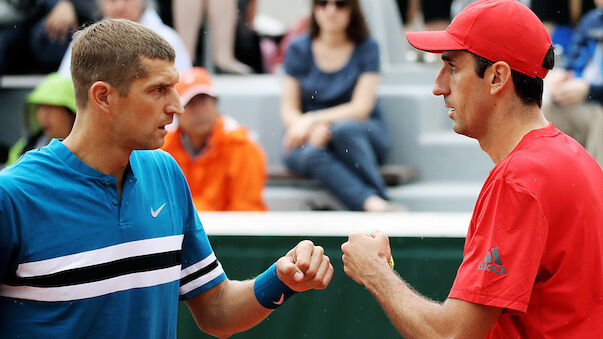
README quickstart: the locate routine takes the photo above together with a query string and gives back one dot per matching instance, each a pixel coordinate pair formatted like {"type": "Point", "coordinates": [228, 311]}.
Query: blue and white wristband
{"type": "Point", "coordinates": [269, 290]}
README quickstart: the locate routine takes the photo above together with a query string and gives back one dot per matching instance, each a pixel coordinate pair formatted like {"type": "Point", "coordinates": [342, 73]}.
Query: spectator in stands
{"type": "Point", "coordinates": [35, 34]}
{"type": "Point", "coordinates": [222, 15]}
{"type": "Point", "coordinates": [49, 114]}
{"type": "Point", "coordinates": [435, 13]}
{"type": "Point", "coordinates": [560, 17]}
{"type": "Point", "coordinates": [560, 12]}
{"type": "Point", "coordinates": [576, 101]}
{"type": "Point", "coordinates": [225, 169]}
{"type": "Point", "coordinates": [139, 11]}
{"type": "Point", "coordinates": [334, 130]}
{"type": "Point", "coordinates": [431, 15]}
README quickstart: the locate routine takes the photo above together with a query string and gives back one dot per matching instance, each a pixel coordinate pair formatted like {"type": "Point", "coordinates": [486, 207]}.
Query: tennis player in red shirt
{"type": "Point", "coordinates": [533, 257]}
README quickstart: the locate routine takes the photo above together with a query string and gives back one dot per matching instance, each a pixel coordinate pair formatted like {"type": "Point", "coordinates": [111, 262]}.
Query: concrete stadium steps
{"type": "Point", "coordinates": [437, 196]}
{"type": "Point", "coordinates": [448, 156]}
{"type": "Point", "coordinates": [420, 196]}
{"type": "Point", "coordinates": [452, 167]}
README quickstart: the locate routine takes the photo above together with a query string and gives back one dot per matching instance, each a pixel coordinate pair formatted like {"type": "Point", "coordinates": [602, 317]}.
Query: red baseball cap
{"type": "Point", "coordinates": [498, 30]}
{"type": "Point", "coordinates": [194, 81]}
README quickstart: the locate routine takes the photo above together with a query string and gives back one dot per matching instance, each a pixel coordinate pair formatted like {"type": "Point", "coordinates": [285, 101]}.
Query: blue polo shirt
{"type": "Point", "coordinates": [77, 261]}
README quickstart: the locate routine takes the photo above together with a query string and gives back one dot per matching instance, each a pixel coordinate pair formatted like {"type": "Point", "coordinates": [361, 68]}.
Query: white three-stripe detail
{"type": "Point", "coordinates": [93, 289]}
{"type": "Point", "coordinates": [100, 256]}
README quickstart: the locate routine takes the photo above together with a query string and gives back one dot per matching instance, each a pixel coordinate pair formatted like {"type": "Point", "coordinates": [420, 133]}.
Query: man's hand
{"type": "Point", "coordinates": [305, 267]}
{"type": "Point", "coordinates": [60, 21]}
{"type": "Point", "coordinates": [365, 254]}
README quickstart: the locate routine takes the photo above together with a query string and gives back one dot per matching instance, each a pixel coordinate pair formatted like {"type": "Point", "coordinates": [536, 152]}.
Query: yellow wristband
{"type": "Point", "coordinates": [391, 262]}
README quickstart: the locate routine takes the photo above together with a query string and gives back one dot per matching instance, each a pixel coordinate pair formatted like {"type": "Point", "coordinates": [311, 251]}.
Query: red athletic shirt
{"type": "Point", "coordinates": [535, 242]}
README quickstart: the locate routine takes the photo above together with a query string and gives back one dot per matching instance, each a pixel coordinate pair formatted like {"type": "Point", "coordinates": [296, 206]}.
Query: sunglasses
{"type": "Point", "coordinates": [340, 4]}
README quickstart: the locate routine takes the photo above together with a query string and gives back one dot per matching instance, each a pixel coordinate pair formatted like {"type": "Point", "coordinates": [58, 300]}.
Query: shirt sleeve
{"type": "Point", "coordinates": [503, 253]}
{"type": "Point", "coordinates": [369, 56]}
{"type": "Point", "coordinates": [8, 234]}
{"type": "Point", "coordinates": [65, 66]}
{"type": "Point", "coordinates": [201, 269]}
{"type": "Point", "coordinates": [297, 57]}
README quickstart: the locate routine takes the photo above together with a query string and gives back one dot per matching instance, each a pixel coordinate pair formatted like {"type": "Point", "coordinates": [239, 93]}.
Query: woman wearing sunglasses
{"type": "Point", "coordinates": [334, 131]}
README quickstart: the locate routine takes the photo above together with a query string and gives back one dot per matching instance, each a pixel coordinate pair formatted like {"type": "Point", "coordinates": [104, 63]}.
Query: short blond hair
{"type": "Point", "coordinates": [112, 50]}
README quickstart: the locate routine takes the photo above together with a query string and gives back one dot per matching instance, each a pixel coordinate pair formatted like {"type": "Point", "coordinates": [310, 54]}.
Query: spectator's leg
{"type": "Point", "coordinates": [321, 165]}
{"type": "Point", "coordinates": [187, 18]}
{"type": "Point", "coordinates": [362, 146]}
{"type": "Point", "coordinates": [222, 22]}
{"type": "Point", "coordinates": [436, 14]}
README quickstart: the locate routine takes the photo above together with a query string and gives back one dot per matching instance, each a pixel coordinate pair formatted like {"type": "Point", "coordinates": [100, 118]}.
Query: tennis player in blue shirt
{"type": "Point", "coordinates": [98, 233]}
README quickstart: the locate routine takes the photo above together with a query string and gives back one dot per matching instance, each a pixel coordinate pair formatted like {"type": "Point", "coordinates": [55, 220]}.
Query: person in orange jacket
{"type": "Point", "coordinates": [224, 167]}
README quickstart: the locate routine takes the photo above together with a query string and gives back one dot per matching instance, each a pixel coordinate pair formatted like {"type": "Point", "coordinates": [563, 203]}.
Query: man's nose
{"type": "Point", "coordinates": [440, 85]}
{"type": "Point", "coordinates": [175, 105]}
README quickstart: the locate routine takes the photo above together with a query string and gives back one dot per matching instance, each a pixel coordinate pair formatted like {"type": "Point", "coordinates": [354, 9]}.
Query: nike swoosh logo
{"type": "Point", "coordinates": [280, 301]}
{"type": "Point", "coordinates": [154, 214]}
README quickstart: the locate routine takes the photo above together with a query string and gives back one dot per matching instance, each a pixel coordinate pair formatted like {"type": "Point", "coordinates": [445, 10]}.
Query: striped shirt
{"type": "Point", "coordinates": [78, 261]}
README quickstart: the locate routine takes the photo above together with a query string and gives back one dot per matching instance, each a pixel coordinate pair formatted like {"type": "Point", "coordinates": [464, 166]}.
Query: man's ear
{"type": "Point", "coordinates": [99, 95]}
{"type": "Point", "coordinates": [499, 76]}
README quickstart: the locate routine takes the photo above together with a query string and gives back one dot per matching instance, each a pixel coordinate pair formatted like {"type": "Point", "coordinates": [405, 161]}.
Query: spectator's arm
{"type": "Point", "coordinates": [298, 125]}
{"type": "Point", "coordinates": [291, 102]}
{"type": "Point", "coordinates": [360, 107]}
{"type": "Point", "coordinates": [571, 92]}
{"type": "Point", "coordinates": [61, 19]}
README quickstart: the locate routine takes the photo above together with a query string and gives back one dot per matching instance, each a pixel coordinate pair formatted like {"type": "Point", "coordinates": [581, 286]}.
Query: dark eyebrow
{"type": "Point", "coordinates": [446, 58]}
{"type": "Point", "coordinates": [161, 84]}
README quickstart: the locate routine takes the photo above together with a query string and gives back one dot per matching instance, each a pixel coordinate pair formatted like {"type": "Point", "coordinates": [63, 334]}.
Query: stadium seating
{"type": "Point", "coordinates": [451, 168]}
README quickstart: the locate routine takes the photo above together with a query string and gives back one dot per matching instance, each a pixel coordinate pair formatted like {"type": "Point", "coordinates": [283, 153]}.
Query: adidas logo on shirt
{"type": "Point", "coordinates": [492, 262]}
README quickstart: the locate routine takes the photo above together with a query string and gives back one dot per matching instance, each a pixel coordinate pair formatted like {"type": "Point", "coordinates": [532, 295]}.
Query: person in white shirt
{"type": "Point", "coordinates": [139, 11]}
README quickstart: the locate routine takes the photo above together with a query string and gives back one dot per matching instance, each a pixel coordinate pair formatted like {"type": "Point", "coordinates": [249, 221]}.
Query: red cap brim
{"type": "Point", "coordinates": [434, 41]}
